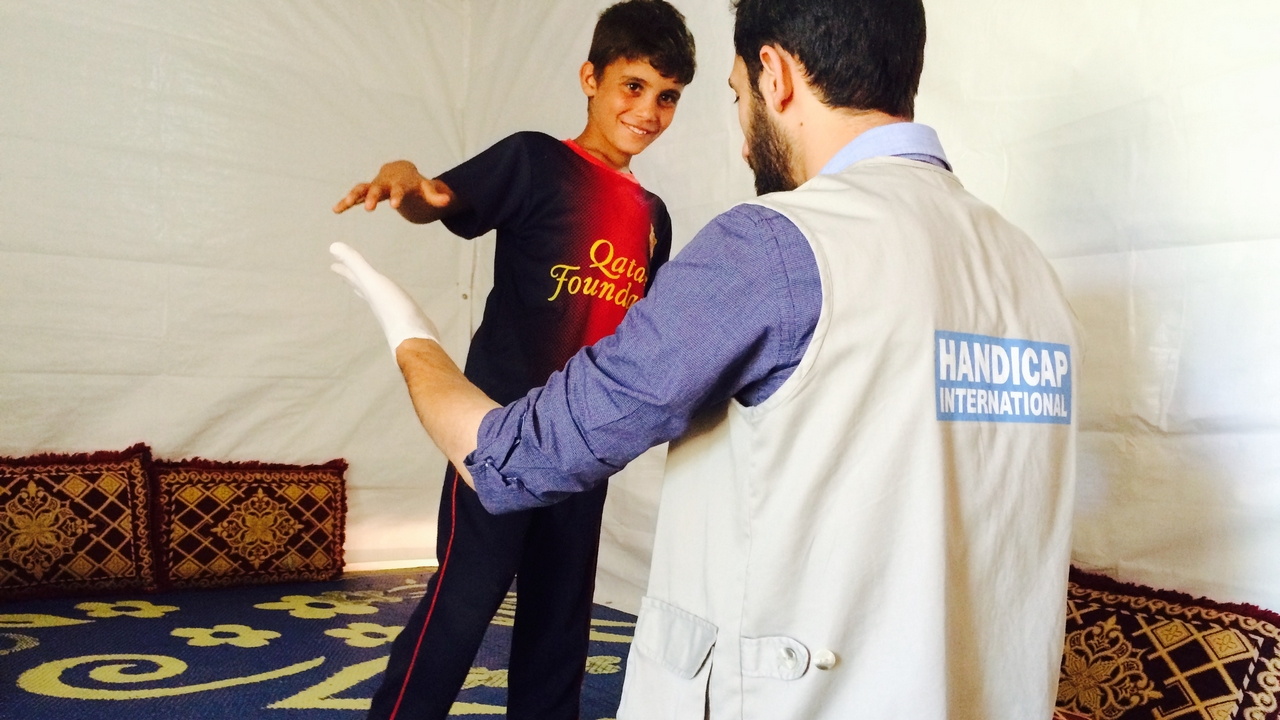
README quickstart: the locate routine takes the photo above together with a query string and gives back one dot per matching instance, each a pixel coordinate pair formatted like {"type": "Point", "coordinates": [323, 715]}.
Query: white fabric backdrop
{"type": "Point", "coordinates": [168, 172]}
{"type": "Point", "coordinates": [1136, 142]}
{"type": "Point", "coordinates": [163, 265]}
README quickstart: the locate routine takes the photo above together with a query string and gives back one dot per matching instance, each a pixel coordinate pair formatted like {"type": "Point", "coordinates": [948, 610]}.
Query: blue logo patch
{"type": "Point", "coordinates": [990, 379]}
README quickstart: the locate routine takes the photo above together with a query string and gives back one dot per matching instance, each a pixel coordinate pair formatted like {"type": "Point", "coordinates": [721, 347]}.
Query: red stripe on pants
{"type": "Point", "coordinates": [453, 523]}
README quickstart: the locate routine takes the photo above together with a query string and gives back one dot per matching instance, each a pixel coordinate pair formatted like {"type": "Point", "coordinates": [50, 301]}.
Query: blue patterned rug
{"type": "Point", "coordinates": [307, 650]}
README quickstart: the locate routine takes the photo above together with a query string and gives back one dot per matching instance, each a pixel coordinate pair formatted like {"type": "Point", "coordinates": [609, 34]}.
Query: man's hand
{"type": "Point", "coordinates": [397, 313]}
{"type": "Point", "coordinates": [417, 198]}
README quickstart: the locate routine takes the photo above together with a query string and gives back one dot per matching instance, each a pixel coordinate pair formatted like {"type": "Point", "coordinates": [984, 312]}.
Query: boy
{"type": "Point", "coordinates": [578, 242]}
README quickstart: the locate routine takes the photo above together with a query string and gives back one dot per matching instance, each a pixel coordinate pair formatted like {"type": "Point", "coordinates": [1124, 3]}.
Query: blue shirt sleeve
{"type": "Point", "coordinates": [730, 316]}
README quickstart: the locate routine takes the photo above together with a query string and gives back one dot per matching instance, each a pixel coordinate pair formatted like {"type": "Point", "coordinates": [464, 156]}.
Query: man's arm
{"type": "Point", "coordinates": [731, 316]}
{"type": "Point", "coordinates": [418, 199]}
{"type": "Point", "coordinates": [449, 406]}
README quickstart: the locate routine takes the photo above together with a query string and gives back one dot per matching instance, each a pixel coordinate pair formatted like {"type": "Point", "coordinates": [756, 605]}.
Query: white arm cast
{"type": "Point", "coordinates": [449, 406]}
{"type": "Point", "coordinates": [397, 313]}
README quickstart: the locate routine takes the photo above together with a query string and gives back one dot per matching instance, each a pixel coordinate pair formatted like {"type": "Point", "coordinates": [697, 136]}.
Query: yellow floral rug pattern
{"type": "Point", "coordinates": [251, 652]}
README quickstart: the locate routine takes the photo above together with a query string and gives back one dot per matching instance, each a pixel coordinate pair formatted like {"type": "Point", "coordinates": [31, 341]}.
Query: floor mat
{"type": "Point", "coordinates": [307, 650]}
{"type": "Point", "coordinates": [317, 651]}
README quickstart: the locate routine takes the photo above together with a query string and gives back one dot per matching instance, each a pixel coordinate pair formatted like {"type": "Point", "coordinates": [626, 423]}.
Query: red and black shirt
{"type": "Point", "coordinates": [578, 243]}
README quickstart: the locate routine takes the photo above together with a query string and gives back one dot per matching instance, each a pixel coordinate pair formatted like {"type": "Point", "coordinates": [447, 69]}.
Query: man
{"type": "Point", "coordinates": [567, 214]}
{"type": "Point", "coordinates": [868, 375]}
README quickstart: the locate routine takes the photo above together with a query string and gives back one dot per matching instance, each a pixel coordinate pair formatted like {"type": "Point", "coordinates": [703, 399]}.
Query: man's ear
{"type": "Point", "coordinates": [587, 76]}
{"type": "Point", "coordinates": [777, 77]}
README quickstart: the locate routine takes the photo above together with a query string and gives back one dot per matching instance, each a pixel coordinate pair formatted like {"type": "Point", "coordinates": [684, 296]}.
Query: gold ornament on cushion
{"type": "Point", "coordinates": [1268, 685]}
{"type": "Point", "coordinates": [236, 523]}
{"type": "Point", "coordinates": [1210, 661]}
{"type": "Point", "coordinates": [36, 529]}
{"type": "Point", "coordinates": [1102, 674]}
{"type": "Point", "coordinates": [257, 529]}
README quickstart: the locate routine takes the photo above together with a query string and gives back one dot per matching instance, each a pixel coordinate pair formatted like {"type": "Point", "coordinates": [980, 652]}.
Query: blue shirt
{"type": "Point", "coordinates": [730, 316]}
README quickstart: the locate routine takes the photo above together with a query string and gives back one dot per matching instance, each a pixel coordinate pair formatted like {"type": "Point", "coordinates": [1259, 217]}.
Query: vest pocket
{"type": "Point", "coordinates": [675, 639]}
{"type": "Point", "coordinates": [669, 665]}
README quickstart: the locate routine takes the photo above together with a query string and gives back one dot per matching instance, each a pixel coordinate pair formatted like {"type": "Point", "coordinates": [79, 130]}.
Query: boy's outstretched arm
{"type": "Point", "coordinates": [449, 406]}
{"type": "Point", "coordinates": [418, 199]}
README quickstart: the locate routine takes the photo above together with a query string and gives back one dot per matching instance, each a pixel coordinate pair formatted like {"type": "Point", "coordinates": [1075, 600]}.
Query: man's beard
{"type": "Point", "coordinates": [769, 153]}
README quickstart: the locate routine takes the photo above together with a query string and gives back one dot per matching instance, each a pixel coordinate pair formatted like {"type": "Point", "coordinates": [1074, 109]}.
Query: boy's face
{"type": "Point", "coordinates": [630, 104]}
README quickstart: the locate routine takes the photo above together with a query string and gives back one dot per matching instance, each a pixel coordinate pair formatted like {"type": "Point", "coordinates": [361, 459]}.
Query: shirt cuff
{"type": "Point", "coordinates": [499, 492]}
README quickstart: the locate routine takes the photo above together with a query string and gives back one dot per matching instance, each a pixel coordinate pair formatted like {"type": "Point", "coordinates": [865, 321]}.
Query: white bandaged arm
{"type": "Point", "coordinates": [397, 313]}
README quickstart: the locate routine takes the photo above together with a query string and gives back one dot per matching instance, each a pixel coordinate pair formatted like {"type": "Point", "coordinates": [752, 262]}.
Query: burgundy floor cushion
{"type": "Point", "coordinates": [75, 524]}
{"type": "Point", "coordinates": [243, 523]}
{"type": "Point", "coordinates": [1136, 652]}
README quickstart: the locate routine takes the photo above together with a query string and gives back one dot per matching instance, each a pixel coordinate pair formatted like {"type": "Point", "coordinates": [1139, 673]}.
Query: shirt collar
{"type": "Point", "coordinates": [903, 138]}
{"type": "Point", "coordinates": [598, 162]}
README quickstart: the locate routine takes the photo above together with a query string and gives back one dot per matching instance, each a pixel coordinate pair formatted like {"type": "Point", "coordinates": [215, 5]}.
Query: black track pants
{"type": "Point", "coordinates": [553, 552]}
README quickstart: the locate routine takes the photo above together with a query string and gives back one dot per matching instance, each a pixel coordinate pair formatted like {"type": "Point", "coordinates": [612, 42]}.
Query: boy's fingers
{"type": "Point", "coordinates": [351, 198]}
{"type": "Point", "coordinates": [373, 197]}
{"type": "Point", "coordinates": [397, 194]}
{"type": "Point", "coordinates": [437, 199]}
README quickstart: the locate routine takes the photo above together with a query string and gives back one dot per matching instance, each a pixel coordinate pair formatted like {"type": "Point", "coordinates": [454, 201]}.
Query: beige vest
{"type": "Point", "coordinates": [888, 535]}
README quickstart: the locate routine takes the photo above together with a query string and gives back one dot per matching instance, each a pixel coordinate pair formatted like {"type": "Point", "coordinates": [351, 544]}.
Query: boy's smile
{"type": "Point", "coordinates": [628, 107]}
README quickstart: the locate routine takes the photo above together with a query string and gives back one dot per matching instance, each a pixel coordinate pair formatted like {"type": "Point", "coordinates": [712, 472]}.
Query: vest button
{"type": "Point", "coordinates": [824, 659]}
{"type": "Point", "coordinates": [787, 657]}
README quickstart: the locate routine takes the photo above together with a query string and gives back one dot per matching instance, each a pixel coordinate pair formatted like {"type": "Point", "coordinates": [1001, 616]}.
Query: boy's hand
{"type": "Point", "coordinates": [397, 313]}
{"type": "Point", "coordinates": [417, 198]}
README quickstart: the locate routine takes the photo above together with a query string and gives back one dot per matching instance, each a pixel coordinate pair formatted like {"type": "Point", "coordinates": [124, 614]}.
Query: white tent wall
{"type": "Point", "coordinates": [163, 253]}
{"type": "Point", "coordinates": [169, 172]}
{"type": "Point", "coordinates": [1136, 142]}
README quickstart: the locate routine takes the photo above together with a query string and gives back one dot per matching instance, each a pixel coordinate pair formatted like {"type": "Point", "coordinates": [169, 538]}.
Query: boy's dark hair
{"type": "Point", "coordinates": [858, 54]}
{"type": "Point", "coordinates": [649, 30]}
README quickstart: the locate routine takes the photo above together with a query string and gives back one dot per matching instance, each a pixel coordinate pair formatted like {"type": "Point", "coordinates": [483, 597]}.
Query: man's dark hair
{"type": "Point", "coordinates": [858, 54]}
{"type": "Point", "coordinates": [649, 30]}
